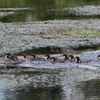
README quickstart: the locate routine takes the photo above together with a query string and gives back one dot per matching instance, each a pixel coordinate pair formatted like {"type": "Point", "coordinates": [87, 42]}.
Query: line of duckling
{"type": "Point", "coordinates": [12, 59]}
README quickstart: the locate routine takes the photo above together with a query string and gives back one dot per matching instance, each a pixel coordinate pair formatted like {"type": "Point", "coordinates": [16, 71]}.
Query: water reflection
{"type": "Point", "coordinates": [86, 91]}
{"type": "Point", "coordinates": [51, 84]}
{"type": "Point", "coordinates": [44, 50]}
{"type": "Point", "coordinates": [91, 89]}
{"type": "Point", "coordinates": [31, 93]}
{"type": "Point", "coordinates": [44, 10]}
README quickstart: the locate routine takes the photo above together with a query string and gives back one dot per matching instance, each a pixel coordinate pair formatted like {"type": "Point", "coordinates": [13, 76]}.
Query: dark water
{"type": "Point", "coordinates": [31, 93]}
{"type": "Point", "coordinates": [89, 90]}
{"type": "Point", "coordinates": [44, 9]}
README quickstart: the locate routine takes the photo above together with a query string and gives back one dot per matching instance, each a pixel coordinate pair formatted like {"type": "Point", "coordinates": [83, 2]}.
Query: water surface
{"type": "Point", "coordinates": [46, 10]}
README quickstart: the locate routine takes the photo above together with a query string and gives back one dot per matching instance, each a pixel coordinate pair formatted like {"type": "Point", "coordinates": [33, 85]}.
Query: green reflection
{"type": "Point", "coordinates": [45, 4]}
{"type": "Point", "coordinates": [44, 9]}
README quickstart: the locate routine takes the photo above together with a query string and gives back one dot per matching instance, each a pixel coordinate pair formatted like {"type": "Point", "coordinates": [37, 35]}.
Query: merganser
{"type": "Point", "coordinates": [54, 59]}
{"type": "Point", "coordinates": [47, 57]}
{"type": "Point", "coordinates": [71, 57]}
{"type": "Point", "coordinates": [25, 57]}
{"type": "Point", "coordinates": [66, 56]}
{"type": "Point", "coordinates": [77, 59]}
{"type": "Point", "coordinates": [11, 57]}
{"type": "Point", "coordinates": [35, 57]}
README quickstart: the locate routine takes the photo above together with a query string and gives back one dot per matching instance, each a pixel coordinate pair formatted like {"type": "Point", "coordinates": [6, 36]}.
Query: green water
{"type": "Point", "coordinates": [44, 9]}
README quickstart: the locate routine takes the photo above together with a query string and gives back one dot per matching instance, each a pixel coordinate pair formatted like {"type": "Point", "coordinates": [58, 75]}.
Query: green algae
{"type": "Point", "coordinates": [86, 31]}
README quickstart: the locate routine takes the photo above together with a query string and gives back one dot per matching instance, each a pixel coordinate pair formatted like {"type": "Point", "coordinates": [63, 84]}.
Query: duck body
{"type": "Point", "coordinates": [11, 57]}
{"type": "Point", "coordinates": [36, 57]}
{"type": "Point", "coordinates": [54, 59]}
{"type": "Point", "coordinates": [47, 57]}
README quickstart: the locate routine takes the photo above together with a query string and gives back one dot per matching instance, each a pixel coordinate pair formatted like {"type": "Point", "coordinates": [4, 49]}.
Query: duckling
{"type": "Point", "coordinates": [35, 57]}
{"type": "Point", "coordinates": [77, 59]}
{"type": "Point", "coordinates": [11, 57]}
{"type": "Point", "coordinates": [25, 57]}
{"type": "Point", "coordinates": [66, 56]}
{"type": "Point", "coordinates": [98, 57]}
{"type": "Point", "coordinates": [71, 57]}
{"type": "Point", "coordinates": [54, 59]}
{"type": "Point", "coordinates": [47, 57]}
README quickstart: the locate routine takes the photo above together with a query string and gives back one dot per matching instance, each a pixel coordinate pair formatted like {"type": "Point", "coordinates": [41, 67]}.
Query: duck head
{"type": "Point", "coordinates": [66, 56]}
{"type": "Point", "coordinates": [33, 55]}
{"type": "Point", "coordinates": [77, 59]}
{"type": "Point", "coordinates": [71, 57]}
{"type": "Point", "coordinates": [8, 55]}
{"type": "Point", "coordinates": [47, 57]}
{"type": "Point", "coordinates": [24, 55]}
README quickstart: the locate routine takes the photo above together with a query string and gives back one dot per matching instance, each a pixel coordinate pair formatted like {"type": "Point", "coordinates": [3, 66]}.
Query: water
{"type": "Point", "coordinates": [47, 10]}
{"type": "Point", "coordinates": [31, 93]}
{"type": "Point", "coordinates": [51, 84]}
{"type": "Point", "coordinates": [47, 80]}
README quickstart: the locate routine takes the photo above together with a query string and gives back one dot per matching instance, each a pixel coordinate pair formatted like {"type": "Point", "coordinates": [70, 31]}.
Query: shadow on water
{"type": "Point", "coordinates": [30, 93]}
{"type": "Point", "coordinates": [59, 50]}
{"type": "Point", "coordinates": [91, 89]}
{"type": "Point", "coordinates": [44, 50]}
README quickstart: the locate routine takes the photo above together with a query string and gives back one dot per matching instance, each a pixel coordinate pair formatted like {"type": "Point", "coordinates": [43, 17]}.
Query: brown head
{"type": "Point", "coordinates": [47, 56]}
{"type": "Point", "coordinates": [8, 55]}
{"type": "Point", "coordinates": [77, 59]}
{"type": "Point", "coordinates": [33, 55]}
{"type": "Point", "coordinates": [53, 59]}
{"type": "Point", "coordinates": [66, 56]}
{"type": "Point", "coordinates": [71, 57]}
{"type": "Point", "coordinates": [24, 55]}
